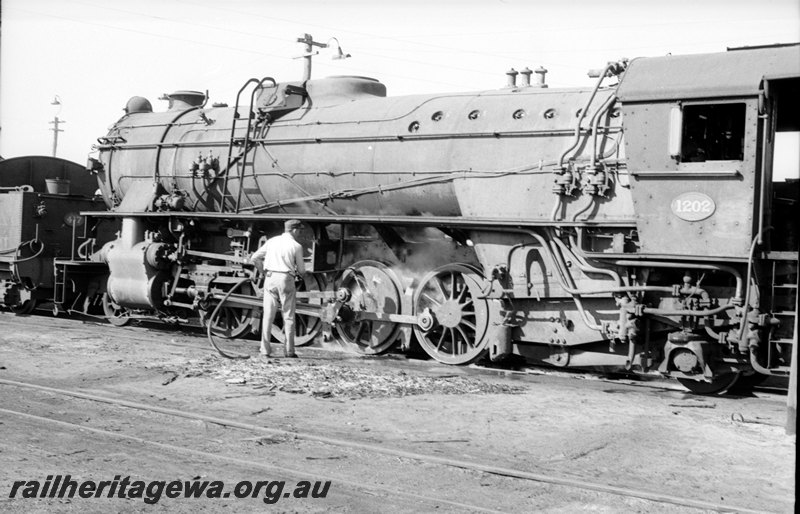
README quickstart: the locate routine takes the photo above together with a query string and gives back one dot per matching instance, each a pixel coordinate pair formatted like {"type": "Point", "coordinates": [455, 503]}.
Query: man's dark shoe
{"type": "Point", "coordinates": [290, 355]}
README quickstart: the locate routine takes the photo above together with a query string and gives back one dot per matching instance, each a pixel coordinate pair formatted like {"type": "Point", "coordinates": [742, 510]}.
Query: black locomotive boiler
{"type": "Point", "coordinates": [633, 224]}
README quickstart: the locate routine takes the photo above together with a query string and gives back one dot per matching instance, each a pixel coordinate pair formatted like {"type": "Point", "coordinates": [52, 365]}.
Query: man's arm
{"type": "Point", "coordinates": [258, 256]}
{"type": "Point", "coordinates": [299, 263]}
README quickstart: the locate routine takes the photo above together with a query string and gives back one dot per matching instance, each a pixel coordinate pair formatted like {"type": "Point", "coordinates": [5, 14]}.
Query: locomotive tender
{"type": "Point", "coordinates": [634, 224]}
{"type": "Point", "coordinates": [40, 201]}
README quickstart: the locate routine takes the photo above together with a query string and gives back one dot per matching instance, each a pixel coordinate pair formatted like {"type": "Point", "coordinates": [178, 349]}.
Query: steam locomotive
{"type": "Point", "coordinates": [40, 203]}
{"type": "Point", "coordinates": [630, 225]}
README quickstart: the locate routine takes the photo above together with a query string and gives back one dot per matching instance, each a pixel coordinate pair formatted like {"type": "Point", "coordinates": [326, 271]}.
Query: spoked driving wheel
{"type": "Point", "coordinates": [233, 321]}
{"type": "Point", "coordinates": [115, 314]}
{"type": "Point", "coordinates": [374, 290]}
{"type": "Point", "coordinates": [454, 317]}
{"type": "Point", "coordinates": [306, 327]}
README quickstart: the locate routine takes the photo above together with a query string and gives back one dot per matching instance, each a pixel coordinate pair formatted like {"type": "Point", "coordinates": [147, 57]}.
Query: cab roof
{"type": "Point", "coordinates": [735, 73]}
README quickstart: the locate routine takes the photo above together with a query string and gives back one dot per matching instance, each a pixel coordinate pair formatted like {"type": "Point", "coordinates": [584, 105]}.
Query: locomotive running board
{"type": "Point", "coordinates": [451, 221]}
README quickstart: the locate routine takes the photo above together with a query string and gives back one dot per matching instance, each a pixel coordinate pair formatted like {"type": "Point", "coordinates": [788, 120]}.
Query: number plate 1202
{"type": "Point", "coordinates": [693, 206]}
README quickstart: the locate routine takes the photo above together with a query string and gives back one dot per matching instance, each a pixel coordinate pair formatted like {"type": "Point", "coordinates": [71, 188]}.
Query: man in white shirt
{"type": "Point", "coordinates": [282, 260]}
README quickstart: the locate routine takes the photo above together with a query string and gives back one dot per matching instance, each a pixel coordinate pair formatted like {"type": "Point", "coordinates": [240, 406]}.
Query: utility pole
{"type": "Point", "coordinates": [55, 123]}
{"type": "Point", "coordinates": [309, 43]}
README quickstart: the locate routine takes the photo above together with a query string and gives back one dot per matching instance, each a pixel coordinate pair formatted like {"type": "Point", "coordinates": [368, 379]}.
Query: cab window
{"type": "Point", "coordinates": [713, 132]}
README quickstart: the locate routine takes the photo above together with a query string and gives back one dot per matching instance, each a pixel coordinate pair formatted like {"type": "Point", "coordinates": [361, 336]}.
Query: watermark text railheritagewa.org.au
{"type": "Point", "coordinates": [64, 486]}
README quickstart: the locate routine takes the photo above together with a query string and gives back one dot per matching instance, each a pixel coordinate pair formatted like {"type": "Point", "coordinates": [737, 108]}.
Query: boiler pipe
{"type": "Point", "coordinates": [678, 265]}
{"type": "Point", "coordinates": [577, 134]}
{"type": "Point", "coordinates": [595, 125]}
{"type": "Point", "coordinates": [563, 276]}
{"type": "Point", "coordinates": [585, 266]}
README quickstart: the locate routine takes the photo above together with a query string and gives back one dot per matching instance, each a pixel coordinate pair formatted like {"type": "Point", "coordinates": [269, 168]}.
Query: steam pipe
{"type": "Point", "coordinates": [556, 207]}
{"type": "Point", "coordinates": [761, 369]}
{"type": "Point", "coordinates": [746, 304]}
{"type": "Point", "coordinates": [663, 264]}
{"type": "Point", "coordinates": [586, 208]}
{"type": "Point", "coordinates": [580, 255]}
{"type": "Point", "coordinates": [618, 289]}
{"type": "Point", "coordinates": [682, 312]}
{"type": "Point", "coordinates": [566, 282]}
{"type": "Point", "coordinates": [595, 124]}
{"type": "Point", "coordinates": [562, 278]}
{"type": "Point", "coordinates": [577, 134]}
{"type": "Point", "coordinates": [677, 265]}
{"type": "Point", "coordinates": [585, 266]}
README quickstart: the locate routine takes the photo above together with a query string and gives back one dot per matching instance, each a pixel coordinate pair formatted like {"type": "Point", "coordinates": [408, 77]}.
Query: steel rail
{"type": "Point", "coordinates": [245, 462]}
{"type": "Point", "coordinates": [495, 470]}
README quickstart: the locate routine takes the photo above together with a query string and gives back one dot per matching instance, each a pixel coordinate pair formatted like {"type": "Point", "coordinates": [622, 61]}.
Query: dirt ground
{"type": "Point", "coordinates": [728, 451]}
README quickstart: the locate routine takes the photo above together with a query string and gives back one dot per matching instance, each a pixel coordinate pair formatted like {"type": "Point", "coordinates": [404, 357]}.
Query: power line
{"type": "Point", "coordinates": [340, 30]}
{"type": "Point", "coordinates": [184, 22]}
{"type": "Point", "coordinates": [683, 21]}
{"type": "Point", "coordinates": [152, 34]}
{"type": "Point", "coordinates": [206, 43]}
{"type": "Point", "coordinates": [283, 40]}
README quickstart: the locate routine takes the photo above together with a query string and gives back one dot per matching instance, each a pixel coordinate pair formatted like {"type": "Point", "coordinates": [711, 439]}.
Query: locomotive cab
{"type": "Point", "coordinates": [701, 148]}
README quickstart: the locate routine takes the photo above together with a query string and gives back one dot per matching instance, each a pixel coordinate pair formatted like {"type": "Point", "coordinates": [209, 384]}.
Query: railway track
{"type": "Point", "coordinates": [583, 483]}
{"type": "Point", "coordinates": [250, 464]}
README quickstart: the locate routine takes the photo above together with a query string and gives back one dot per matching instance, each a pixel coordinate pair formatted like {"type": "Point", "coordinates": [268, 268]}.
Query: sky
{"type": "Point", "coordinates": [93, 55]}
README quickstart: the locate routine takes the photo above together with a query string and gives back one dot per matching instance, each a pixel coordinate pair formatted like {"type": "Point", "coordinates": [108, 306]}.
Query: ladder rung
{"type": "Point", "coordinates": [785, 313]}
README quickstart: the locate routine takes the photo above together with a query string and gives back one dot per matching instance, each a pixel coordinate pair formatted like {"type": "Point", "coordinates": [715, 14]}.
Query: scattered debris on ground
{"type": "Point", "coordinates": [338, 380]}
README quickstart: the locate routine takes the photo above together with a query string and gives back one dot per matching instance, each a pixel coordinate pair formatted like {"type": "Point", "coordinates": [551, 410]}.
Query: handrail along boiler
{"type": "Point", "coordinates": [633, 224]}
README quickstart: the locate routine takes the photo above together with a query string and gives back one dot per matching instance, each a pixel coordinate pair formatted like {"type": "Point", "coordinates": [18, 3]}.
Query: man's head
{"type": "Point", "coordinates": [292, 226]}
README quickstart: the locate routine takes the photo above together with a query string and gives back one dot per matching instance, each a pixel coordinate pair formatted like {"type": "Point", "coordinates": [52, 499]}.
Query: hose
{"type": "Point", "coordinates": [15, 260]}
{"type": "Point", "coordinates": [213, 318]}
{"type": "Point", "coordinates": [19, 247]}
